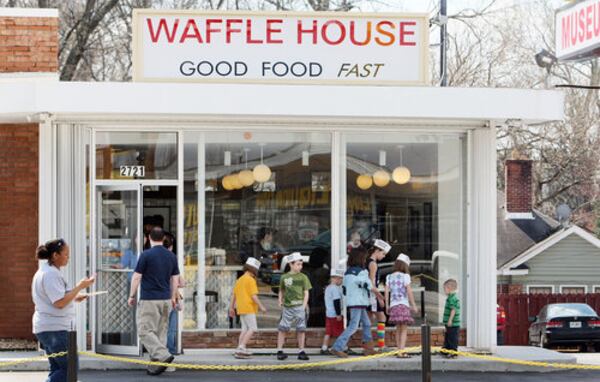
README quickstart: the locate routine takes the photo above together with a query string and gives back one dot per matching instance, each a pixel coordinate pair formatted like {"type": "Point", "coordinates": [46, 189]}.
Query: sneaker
{"type": "Point", "coordinates": [339, 354]}
{"type": "Point", "coordinates": [302, 356]}
{"type": "Point", "coordinates": [170, 369]}
{"type": "Point", "coordinates": [160, 369]}
{"type": "Point", "coordinates": [325, 352]}
{"type": "Point", "coordinates": [352, 352]}
{"type": "Point", "coordinates": [281, 355]}
{"type": "Point", "coordinates": [241, 354]}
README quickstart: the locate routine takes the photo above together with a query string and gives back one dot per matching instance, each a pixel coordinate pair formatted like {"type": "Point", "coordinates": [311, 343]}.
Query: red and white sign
{"type": "Point", "coordinates": [320, 47]}
{"type": "Point", "coordinates": [578, 30]}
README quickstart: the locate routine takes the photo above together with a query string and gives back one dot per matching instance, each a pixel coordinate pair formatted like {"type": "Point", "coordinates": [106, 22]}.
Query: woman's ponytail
{"type": "Point", "coordinates": [42, 253]}
{"type": "Point", "coordinates": [45, 252]}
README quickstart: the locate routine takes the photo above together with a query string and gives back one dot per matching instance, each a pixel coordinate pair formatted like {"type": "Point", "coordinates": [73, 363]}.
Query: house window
{"type": "Point", "coordinates": [540, 289]}
{"type": "Point", "coordinates": [596, 289]}
{"type": "Point", "coordinates": [573, 289]}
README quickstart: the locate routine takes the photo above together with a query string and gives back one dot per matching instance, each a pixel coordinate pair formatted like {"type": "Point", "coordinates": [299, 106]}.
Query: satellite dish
{"type": "Point", "coordinates": [563, 213]}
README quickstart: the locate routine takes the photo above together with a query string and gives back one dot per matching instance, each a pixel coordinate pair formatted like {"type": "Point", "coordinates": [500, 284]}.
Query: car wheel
{"type": "Point", "coordinates": [542, 342]}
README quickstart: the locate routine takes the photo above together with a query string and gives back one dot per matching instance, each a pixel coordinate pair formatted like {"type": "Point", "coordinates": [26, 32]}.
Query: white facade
{"type": "Point", "coordinates": [70, 112]}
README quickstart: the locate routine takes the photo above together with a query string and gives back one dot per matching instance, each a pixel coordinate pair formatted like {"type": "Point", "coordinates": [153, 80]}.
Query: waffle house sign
{"type": "Point", "coordinates": [334, 48]}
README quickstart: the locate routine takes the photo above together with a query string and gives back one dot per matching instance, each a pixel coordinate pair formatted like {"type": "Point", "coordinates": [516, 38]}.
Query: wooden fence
{"type": "Point", "coordinates": [520, 307]}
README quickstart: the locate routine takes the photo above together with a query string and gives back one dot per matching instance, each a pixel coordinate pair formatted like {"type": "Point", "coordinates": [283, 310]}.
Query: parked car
{"type": "Point", "coordinates": [500, 324]}
{"type": "Point", "coordinates": [565, 324]}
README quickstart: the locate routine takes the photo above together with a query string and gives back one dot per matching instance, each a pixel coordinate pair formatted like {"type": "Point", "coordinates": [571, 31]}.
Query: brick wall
{"type": "Point", "coordinates": [28, 44]}
{"type": "Point", "coordinates": [519, 177]}
{"type": "Point", "coordinates": [314, 338]}
{"type": "Point", "coordinates": [19, 233]}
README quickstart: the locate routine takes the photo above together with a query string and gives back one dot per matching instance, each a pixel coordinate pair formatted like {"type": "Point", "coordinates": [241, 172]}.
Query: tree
{"type": "Point", "coordinates": [496, 49]}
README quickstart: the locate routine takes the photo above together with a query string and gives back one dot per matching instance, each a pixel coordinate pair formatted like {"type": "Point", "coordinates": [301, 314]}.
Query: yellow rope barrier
{"type": "Point", "coordinates": [289, 366]}
{"type": "Point", "coordinates": [520, 361]}
{"type": "Point", "coordinates": [32, 359]}
{"type": "Point", "coordinates": [308, 365]}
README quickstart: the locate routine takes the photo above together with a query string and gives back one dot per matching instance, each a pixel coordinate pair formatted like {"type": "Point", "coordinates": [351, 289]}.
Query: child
{"type": "Point", "coordinates": [358, 288]}
{"type": "Point", "coordinates": [376, 253]}
{"type": "Point", "coordinates": [334, 321]}
{"type": "Point", "coordinates": [354, 242]}
{"type": "Point", "coordinates": [400, 300]}
{"type": "Point", "coordinates": [451, 317]}
{"type": "Point", "coordinates": [293, 297]}
{"type": "Point", "coordinates": [245, 301]}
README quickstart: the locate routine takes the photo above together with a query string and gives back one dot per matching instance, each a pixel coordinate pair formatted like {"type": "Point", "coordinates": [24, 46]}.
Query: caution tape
{"type": "Point", "coordinates": [289, 366]}
{"type": "Point", "coordinates": [308, 365]}
{"type": "Point", "coordinates": [32, 359]}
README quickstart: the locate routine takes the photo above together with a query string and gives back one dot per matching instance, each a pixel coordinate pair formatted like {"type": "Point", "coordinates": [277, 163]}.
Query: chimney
{"type": "Point", "coordinates": [519, 194]}
{"type": "Point", "coordinates": [28, 43]}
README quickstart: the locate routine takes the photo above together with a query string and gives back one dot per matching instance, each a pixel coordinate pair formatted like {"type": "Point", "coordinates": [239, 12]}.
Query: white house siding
{"type": "Point", "coordinates": [572, 261]}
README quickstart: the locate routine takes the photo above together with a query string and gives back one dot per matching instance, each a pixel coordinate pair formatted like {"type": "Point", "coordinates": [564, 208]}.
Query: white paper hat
{"type": "Point", "coordinates": [384, 246]}
{"type": "Point", "coordinates": [295, 256]}
{"type": "Point", "coordinates": [253, 262]}
{"type": "Point", "coordinates": [337, 272]}
{"type": "Point", "coordinates": [404, 258]}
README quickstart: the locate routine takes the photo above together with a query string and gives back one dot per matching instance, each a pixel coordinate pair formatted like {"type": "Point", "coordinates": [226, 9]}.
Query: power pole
{"type": "Point", "coordinates": [443, 19]}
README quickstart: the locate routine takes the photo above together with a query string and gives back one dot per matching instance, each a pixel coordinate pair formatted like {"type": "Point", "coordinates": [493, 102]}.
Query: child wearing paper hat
{"type": "Point", "coordinates": [245, 302]}
{"type": "Point", "coordinates": [399, 300]}
{"type": "Point", "coordinates": [334, 321]}
{"type": "Point", "coordinates": [293, 298]}
{"type": "Point", "coordinates": [379, 250]}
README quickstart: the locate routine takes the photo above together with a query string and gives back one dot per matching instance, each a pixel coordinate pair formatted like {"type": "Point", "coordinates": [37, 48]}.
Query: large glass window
{"type": "Point", "coordinates": [266, 194]}
{"type": "Point", "coordinates": [407, 189]}
{"type": "Point", "coordinates": [136, 155]}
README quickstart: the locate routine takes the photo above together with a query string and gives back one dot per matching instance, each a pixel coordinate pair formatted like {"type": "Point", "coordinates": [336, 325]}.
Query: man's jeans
{"type": "Point", "coordinates": [55, 342]}
{"type": "Point", "coordinates": [172, 332]}
{"type": "Point", "coordinates": [357, 315]}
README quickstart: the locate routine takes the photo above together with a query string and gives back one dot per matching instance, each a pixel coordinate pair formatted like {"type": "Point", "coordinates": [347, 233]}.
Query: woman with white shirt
{"type": "Point", "coordinates": [54, 310]}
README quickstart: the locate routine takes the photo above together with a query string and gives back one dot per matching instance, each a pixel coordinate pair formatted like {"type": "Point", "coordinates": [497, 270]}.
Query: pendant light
{"type": "Point", "coordinates": [381, 178]}
{"type": "Point", "coordinates": [364, 181]}
{"type": "Point", "coordinates": [261, 172]}
{"type": "Point", "coordinates": [401, 174]}
{"type": "Point", "coordinates": [245, 176]}
{"type": "Point", "coordinates": [234, 180]}
{"type": "Point", "coordinates": [226, 184]}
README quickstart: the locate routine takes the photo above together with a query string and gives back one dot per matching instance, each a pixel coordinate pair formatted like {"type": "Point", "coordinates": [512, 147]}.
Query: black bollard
{"type": "Point", "coordinates": [72, 357]}
{"type": "Point", "coordinates": [425, 351]}
{"type": "Point", "coordinates": [425, 343]}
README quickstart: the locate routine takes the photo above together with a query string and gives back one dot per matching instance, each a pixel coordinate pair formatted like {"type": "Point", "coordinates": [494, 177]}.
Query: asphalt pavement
{"type": "Point", "coordinates": [326, 376]}
{"type": "Point", "coordinates": [321, 376]}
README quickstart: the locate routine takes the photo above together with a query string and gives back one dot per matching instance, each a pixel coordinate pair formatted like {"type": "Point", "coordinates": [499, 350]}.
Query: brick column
{"type": "Point", "coordinates": [28, 48]}
{"type": "Point", "coordinates": [19, 217]}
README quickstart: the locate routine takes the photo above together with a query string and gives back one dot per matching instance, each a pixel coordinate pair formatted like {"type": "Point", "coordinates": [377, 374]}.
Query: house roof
{"type": "Point", "coordinates": [515, 236]}
{"type": "Point", "coordinates": [549, 242]}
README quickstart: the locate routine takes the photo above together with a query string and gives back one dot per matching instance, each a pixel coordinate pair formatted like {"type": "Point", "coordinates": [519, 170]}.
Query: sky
{"type": "Point", "coordinates": [429, 5]}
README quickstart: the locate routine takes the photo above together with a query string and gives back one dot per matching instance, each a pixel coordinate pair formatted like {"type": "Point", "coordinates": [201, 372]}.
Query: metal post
{"type": "Point", "coordinates": [425, 351]}
{"type": "Point", "coordinates": [72, 357]}
{"type": "Point", "coordinates": [423, 306]}
{"type": "Point", "coordinates": [443, 43]}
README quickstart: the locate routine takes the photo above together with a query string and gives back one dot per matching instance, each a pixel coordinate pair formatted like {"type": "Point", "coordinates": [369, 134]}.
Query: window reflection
{"type": "Point", "coordinates": [136, 155]}
{"type": "Point", "coordinates": [407, 190]}
{"type": "Point", "coordinates": [282, 207]}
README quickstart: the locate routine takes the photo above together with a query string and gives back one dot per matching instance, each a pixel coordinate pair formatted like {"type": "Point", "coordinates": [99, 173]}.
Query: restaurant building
{"type": "Point", "coordinates": [259, 163]}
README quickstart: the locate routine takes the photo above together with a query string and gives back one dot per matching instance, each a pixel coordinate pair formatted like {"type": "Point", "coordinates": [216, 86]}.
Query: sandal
{"type": "Point", "coordinates": [403, 355]}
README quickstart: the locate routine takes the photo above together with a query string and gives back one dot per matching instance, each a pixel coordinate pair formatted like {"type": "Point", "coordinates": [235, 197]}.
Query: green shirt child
{"type": "Point", "coordinates": [452, 302]}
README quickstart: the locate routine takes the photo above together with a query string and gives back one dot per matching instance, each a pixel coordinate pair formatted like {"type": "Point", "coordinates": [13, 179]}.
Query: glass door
{"type": "Point", "coordinates": [118, 234]}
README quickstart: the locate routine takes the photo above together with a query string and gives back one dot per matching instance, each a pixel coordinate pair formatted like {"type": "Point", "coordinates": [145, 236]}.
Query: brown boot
{"type": "Point", "coordinates": [368, 348]}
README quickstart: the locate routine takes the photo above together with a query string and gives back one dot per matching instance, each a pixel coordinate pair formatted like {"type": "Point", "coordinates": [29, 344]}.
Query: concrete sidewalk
{"type": "Point", "coordinates": [267, 357]}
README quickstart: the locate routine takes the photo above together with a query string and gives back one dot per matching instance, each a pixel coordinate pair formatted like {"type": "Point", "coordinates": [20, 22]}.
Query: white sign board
{"type": "Point", "coordinates": [319, 47]}
{"type": "Point", "coordinates": [577, 29]}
